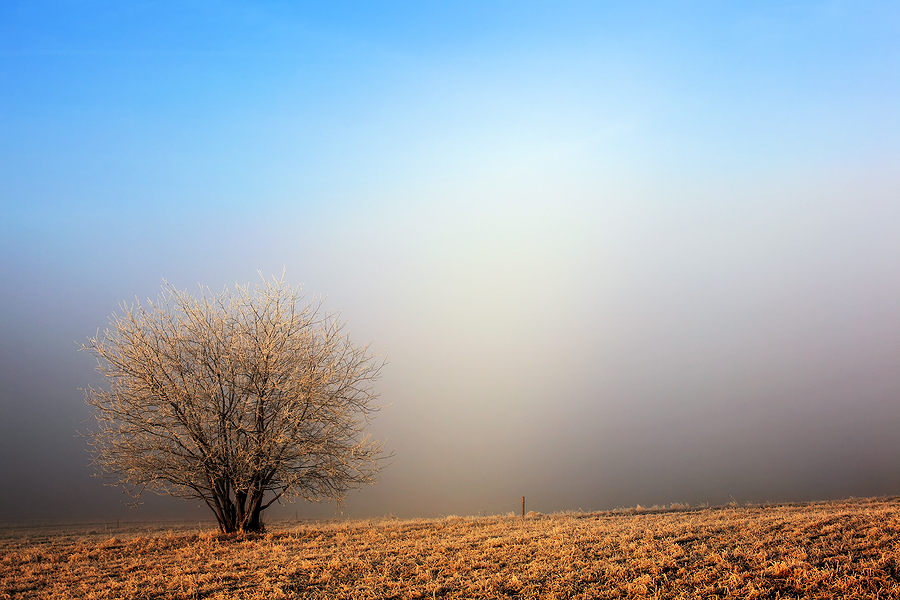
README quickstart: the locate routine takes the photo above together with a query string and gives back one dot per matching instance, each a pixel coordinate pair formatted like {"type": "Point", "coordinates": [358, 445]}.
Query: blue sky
{"type": "Point", "coordinates": [616, 253]}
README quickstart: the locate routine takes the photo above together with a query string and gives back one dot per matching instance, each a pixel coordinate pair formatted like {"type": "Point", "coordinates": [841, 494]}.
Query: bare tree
{"type": "Point", "coordinates": [238, 399]}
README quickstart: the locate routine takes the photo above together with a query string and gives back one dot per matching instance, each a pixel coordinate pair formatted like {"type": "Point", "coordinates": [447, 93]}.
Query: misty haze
{"type": "Point", "coordinates": [612, 256]}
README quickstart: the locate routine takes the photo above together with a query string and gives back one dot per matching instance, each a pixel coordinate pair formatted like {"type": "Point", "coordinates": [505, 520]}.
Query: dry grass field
{"type": "Point", "coordinates": [845, 549]}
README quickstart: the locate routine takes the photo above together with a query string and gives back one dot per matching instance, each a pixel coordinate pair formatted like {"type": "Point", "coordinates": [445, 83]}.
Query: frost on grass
{"type": "Point", "coordinates": [848, 549]}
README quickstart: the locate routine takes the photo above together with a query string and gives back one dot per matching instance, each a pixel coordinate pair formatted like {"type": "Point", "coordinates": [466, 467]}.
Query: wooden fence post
{"type": "Point", "coordinates": [523, 506]}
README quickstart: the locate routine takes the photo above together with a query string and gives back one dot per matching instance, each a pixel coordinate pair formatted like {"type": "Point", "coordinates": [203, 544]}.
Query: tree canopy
{"type": "Point", "coordinates": [240, 399]}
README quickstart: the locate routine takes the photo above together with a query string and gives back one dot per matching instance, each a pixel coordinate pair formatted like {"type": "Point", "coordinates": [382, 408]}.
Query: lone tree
{"type": "Point", "coordinates": [239, 399]}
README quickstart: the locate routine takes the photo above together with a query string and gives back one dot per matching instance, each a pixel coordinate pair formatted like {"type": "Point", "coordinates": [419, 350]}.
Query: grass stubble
{"type": "Point", "coordinates": [842, 549]}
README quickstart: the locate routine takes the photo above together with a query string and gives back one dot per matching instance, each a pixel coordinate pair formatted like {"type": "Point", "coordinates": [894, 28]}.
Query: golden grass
{"type": "Point", "coordinates": [846, 549]}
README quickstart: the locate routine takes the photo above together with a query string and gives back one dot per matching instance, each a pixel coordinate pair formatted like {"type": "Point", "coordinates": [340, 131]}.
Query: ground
{"type": "Point", "coordinates": [847, 549]}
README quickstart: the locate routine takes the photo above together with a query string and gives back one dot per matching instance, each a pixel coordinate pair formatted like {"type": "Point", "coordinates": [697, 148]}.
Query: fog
{"type": "Point", "coordinates": [613, 256]}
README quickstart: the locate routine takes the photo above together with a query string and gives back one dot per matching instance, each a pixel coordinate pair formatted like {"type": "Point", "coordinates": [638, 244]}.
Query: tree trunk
{"type": "Point", "coordinates": [255, 523]}
{"type": "Point", "coordinates": [243, 513]}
